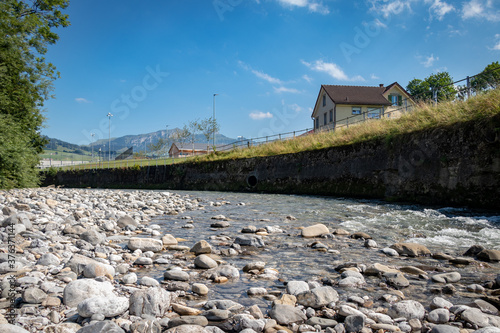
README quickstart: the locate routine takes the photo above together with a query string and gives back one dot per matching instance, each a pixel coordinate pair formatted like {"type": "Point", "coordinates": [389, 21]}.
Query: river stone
{"type": "Point", "coordinates": [228, 271]}
{"type": "Point", "coordinates": [169, 240]}
{"type": "Point", "coordinates": [8, 328]}
{"type": "Point", "coordinates": [286, 314]}
{"type": "Point", "coordinates": [351, 279]}
{"type": "Point", "coordinates": [318, 297]}
{"type": "Point", "coordinates": [149, 282]}
{"type": "Point", "coordinates": [361, 235]}
{"type": "Point", "coordinates": [488, 330]}
{"type": "Point", "coordinates": [62, 328]}
{"type": "Point", "coordinates": [323, 322]}
{"type": "Point", "coordinates": [145, 244]}
{"type": "Point", "coordinates": [153, 301]}
{"type": "Point", "coordinates": [412, 270]}
{"type": "Point", "coordinates": [199, 289]}
{"type": "Point", "coordinates": [377, 269]}
{"type": "Point", "coordinates": [93, 237]}
{"type": "Point", "coordinates": [201, 247]}
{"type": "Point", "coordinates": [224, 304]}
{"type": "Point", "coordinates": [48, 259]}
{"type": "Point", "coordinates": [185, 310]}
{"type": "Point", "coordinates": [189, 329]}
{"type": "Point", "coordinates": [296, 287]}
{"type": "Point", "coordinates": [129, 278]}
{"type": "Point", "coordinates": [315, 231]}
{"type": "Point", "coordinates": [256, 291]}
{"type": "Point", "coordinates": [217, 314]}
{"type": "Point", "coordinates": [408, 309]}
{"type": "Point", "coordinates": [250, 240]}
{"type": "Point", "coordinates": [78, 262]}
{"type": "Point", "coordinates": [354, 323]}
{"type": "Point", "coordinates": [439, 316]}
{"type": "Point", "coordinates": [146, 326]}
{"type": "Point", "coordinates": [205, 262]}
{"type": "Point", "coordinates": [188, 320]}
{"type": "Point", "coordinates": [445, 329]}
{"type": "Point", "coordinates": [389, 252]}
{"type": "Point", "coordinates": [256, 265]}
{"type": "Point", "coordinates": [489, 255]}
{"type": "Point", "coordinates": [106, 326]}
{"type": "Point", "coordinates": [176, 275]}
{"type": "Point", "coordinates": [106, 306]}
{"type": "Point", "coordinates": [34, 295]}
{"type": "Point", "coordinates": [397, 280]}
{"type": "Point", "coordinates": [450, 277]}
{"type": "Point", "coordinates": [126, 221]}
{"type": "Point", "coordinates": [220, 224]}
{"type": "Point", "coordinates": [79, 290]}
{"type": "Point", "coordinates": [439, 302]}
{"type": "Point", "coordinates": [96, 269]}
{"type": "Point", "coordinates": [474, 250]}
{"type": "Point", "coordinates": [411, 249]}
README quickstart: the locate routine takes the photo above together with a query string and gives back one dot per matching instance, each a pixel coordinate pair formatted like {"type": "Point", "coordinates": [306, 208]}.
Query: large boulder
{"type": "Point", "coordinates": [8, 328]}
{"type": "Point", "coordinates": [318, 297]}
{"type": "Point", "coordinates": [408, 309]}
{"type": "Point", "coordinates": [106, 306]}
{"type": "Point", "coordinates": [145, 244]}
{"type": "Point", "coordinates": [315, 231]}
{"type": "Point", "coordinates": [79, 290]}
{"type": "Point", "coordinates": [153, 301]}
{"type": "Point", "coordinates": [489, 255]}
{"type": "Point", "coordinates": [125, 221]}
{"type": "Point", "coordinates": [286, 314]}
{"type": "Point", "coordinates": [105, 326]}
{"type": "Point", "coordinates": [411, 249]}
{"type": "Point", "coordinates": [201, 247]}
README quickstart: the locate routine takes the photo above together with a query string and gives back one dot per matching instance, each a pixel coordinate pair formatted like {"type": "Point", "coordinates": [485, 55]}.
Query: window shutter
{"type": "Point", "coordinates": [400, 100]}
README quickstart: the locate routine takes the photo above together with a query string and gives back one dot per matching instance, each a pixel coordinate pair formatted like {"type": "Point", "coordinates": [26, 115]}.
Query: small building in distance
{"type": "Point", "coordinates": [189, 149]}
{"type": "Point", "coordinates": [340, 106]}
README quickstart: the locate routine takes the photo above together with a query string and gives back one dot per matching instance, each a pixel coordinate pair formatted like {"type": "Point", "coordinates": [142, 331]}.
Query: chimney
{"type": "Point", "coordinates": [381, 85]}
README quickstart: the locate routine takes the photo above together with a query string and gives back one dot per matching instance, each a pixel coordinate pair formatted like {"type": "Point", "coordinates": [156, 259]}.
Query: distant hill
{"type": "Point", "coordinates": [139, 142]}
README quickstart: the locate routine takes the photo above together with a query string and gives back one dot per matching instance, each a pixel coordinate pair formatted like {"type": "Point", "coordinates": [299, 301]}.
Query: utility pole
{"type": "Point", "coordinates": [213, 125]}
{"type": "Point", "coordinates": [109, 146]}
{"type": "Point", "coordinates": [92, 145]}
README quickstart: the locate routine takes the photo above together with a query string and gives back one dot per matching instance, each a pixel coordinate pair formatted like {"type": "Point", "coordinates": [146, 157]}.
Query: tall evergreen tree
{"type": "Point", "coordinates": [26, 30]}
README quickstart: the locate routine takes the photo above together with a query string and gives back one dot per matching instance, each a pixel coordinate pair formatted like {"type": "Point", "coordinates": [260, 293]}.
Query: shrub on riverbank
{"type": "Point", "coordinates": [480, 108]}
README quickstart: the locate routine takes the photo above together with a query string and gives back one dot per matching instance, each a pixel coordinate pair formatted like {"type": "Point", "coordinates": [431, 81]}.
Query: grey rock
{"type": "Point", "coordinates": [143, 261]}
{"type": "Point", "coordinates": [223, 305]}
{"type": "Point", "coordinates": [199, 289]}
{"type": "Point", "coordinates": [439, 302]}
{"type": "Point", "coordinates": [354, 323]}
{"type": "Point", "coordinates": [397, 280]}
{"type": "Point", "coordinates": [126, 221]}
{"type": "Point", "coordinates": [63, 328]}
{"type": "Point", "coordinates": [176, 275]}
{"type": "Point", "coordinates": [389, 252]}
{"type": "Point", "coordinates": [318, 297]}
{"type": "Point", "coordinates": [106, 326]}
{"type": "Point", "coordinates": [228, 271]}
{"type": "Point", "coordinates": [34, 295]}
{"type": "Point", "coordinates": [286, 314]}
{"type": "Point", "coordinates": [145, 244]}
{"type": "Point", "coordinates": [315, 231]}
{"type": "Point", "coordinates": [93, 237]}
{"type": "Point", "coordinates": [475, 317]}
{"type": "Point", "coordinates": [489, 255]}
{"type": "Point", "coordinates": [8, 328]}
{"type": "Point", "coordinates": [411, 249]}
{"type": "Point", "coordinates": [408, 309]}
{"type": "Point", "coordinates": [78, 262]}
{"type": "Point", "coordinates": [79, 290]}
{"type": "Point", "coordinates": [250, 240]}
{"type": "Point", "coordinates": [153, 301]}
{"type": "Point", "coordinates": [48, 259]}
{"type": "Point", "coordinates": [445, 329]}
{"type": "Point", "coordinates": [296, 287]}
{"type": "Point", "coordinates": [150, 282]}
{"type": "Point", "coordinates": [188, 320]}
{"type": "Point", "coordinates": [205, 262]}
{"type": "Point", "coordinates": [490, 329]}
{"type": "Point", "coordinates": [217, 314]}
{"type": "Point", "coordinates": [439, 316]}
{"type": "Point", "coordinates": [323, 322]}
{"type": "Point", "coordinates": [106, 306]}
{"type": "Point", "coordinates": [189, 329]}
{"type": "Point", "coordinates": [220, 224]}
{"type": "Point", "coordinates": [370, 243]}
{"type": "Point", "coordinates": [485, 307]}
{"type": "Point", "coordinates": [450, 277]}
{"type": "Point", "coordinates": [201, 247]}
{"type": "Point", "coordinates": [96, 269]}
{"type": "Point", "coordinates": [146, 326]}
{"type": "Point", "coordinates": [474, 250]}
{"type": "Point", "coordinates": [129, 278]}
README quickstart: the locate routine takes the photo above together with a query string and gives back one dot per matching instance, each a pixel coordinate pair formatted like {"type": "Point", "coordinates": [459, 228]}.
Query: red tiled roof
{"type": "Point", "coordinates": [356, 95]}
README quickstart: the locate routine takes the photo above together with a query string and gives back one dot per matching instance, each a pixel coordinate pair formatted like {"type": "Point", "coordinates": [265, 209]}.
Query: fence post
{"type": "Point", "coordinates": [468, 87]}
{"type": "Point", "coordinates": [267, 138]}
{"type": "Point", "coordinates": [347, 121]}
{"type": "Point", "coordinates": [280, 136]}
{"type": "Point", "coordinates": [294, 134]}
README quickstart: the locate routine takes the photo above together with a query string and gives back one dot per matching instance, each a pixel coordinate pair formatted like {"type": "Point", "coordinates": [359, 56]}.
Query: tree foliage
{"type": "Point", "coordinates": [26, 30]}
{"type": "Point", "coordinates": [489, 78]}
{"type": "Point", "coordinates": [208, 127]}
{"type": "Point", "coordinates": [423, 90]}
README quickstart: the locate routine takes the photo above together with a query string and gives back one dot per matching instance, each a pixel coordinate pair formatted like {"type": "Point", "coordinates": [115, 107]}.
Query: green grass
{"type": "Point", "coordinates": [132, 163]}
{"type": "Point", "coordinates": [65, 155]}
{"type": "Point", "coordinates": [480, 108]}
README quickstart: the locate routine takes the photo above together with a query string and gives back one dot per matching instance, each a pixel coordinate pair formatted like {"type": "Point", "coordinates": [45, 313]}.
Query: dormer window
{"type": "Point", "coordinates": [396, 100]}
{"type": "Point", "coordinates": [324, 100]}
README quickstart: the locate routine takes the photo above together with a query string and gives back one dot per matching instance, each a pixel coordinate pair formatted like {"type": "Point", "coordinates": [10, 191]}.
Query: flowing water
{"type": "Point", "coordinates": [441, 229]}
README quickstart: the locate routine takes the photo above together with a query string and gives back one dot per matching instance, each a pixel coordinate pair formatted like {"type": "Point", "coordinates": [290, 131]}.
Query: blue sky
{"type": "Point", "coordinates": [158, 63]}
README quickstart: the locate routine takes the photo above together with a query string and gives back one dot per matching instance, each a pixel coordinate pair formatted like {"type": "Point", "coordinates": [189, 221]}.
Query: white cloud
{"type": "Point", "coordinates": [374, 77]}
{"type": "Point", "coordinates": [480, 9]}
{"type": "Point", "coordinates": [259, 115]}
{"type": "Point", "coordinates": [496, 47]}
{"type": "Point", "coordinates": [390, 7]}
{"type": "Point", "coordinates": [439, 8]}
{"type": "Point", "coordinates": [266, 77]}
{"type": "Point", "coordinates": [429, 61]}
{"type": "Point", "coordinates": [286, 90]}
{"type": "Point", "coordinates": [313, 6]}
{"type": "Point", "coordinates": [296, 107]}
{"type": "Point", "coordinates": [82, 100]}
{"type": "Point", "coordinates": [307, 78]}
{"type": "Point", "coordinates": [331, 69]}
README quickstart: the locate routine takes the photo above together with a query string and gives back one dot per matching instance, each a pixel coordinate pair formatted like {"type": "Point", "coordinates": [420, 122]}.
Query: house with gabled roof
{"type": "Point", "coordinates": [190, 149]}
{"type": "Point", "coordinates": [340, 106]}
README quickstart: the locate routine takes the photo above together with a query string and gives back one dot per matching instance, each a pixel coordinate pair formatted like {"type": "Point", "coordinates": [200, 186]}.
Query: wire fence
{"type": "Point", "coordinates": [472, 85]}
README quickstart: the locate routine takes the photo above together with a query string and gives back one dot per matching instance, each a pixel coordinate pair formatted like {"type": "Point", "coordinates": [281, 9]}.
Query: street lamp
{"type": "Point", "coordinates": [109, 146]}
{"type": "Point", "coordinates": [213, 124]}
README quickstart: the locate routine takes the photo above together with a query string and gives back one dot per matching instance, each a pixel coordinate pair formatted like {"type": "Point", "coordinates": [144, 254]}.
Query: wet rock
{"type": "Point", "coordinates": [176, 275]}
{"type": "Point", "coordinates": [199, 289]}
{"type": "Point", "coordinates": [361, 235]}
{"type": "Point", "coordinates": [220, 224]}
{"type": "Point", "coordinates": [227, 271]}
{"type": "Point", "coordinates": [205, 262]}
{"type": "Point", "coordinates": [439, 316]}
{"type": "Point", "coordinates": [201, 247]}
{"type": "Point", "coordinates": [489, 255]}
{"type": "Point", "coordinates": [474, 250]}
{"type": "Point", "coordinates": [371, 244]}
{"type": "Point", "coordinates": [340, 232]}
{"type": "Point", "coordinates": [188, 320]}
{"type": "Point", "coordinates": [397, 280]}
{"type": "Point", "coordinates": [250, 240]}
{"type": "Point", "coordinates": [286, 314]}
{"type": "Point", "coordinates": [475, 288]}
{"type": "Point", "coordinates": [152, 301]}
{"type": "Point", "coordinates": [354, 323]}
{"type": "Point", "coordinates": [442, 256]}
{"type": "Point", "coordinates": [389, 252]}
{"type": "Point", "coordinates": [318, 297]}
{"type": "Point", "coordinates": [106, 306]}
{"type": "Point", "coordinates": [256, 291]}
{"type": "Point", "coordinates": [251, 229]}
{"type": "Point", "coordinates": [145, 244]}
{"type": "Point", "coordinates": [34, 295]}
{"type": "Point", "coordinates": [79, 290]}
{"type": "Point", "coordinates": [351, 279]}
{"type": "Point", "coordinates": [411, 249]}
{"type": "Point", "coordinates": [296, 287]}
{"type": "Point", "coordinates": [143, 261]}
{"type": "Point", "coordinates": [484, 307]}
{"type": "Point", "coordinates": [315, 231]}
{"type": "Point", "coordinates": [408, 309]}
{"type": "Point", "coordinates": [224, 305]}
{"type": "Point", "coordinates": [185, 310]}
{"type": "Point", "coordinates": [106, 326]}
{"type": "Point", "coordinates": [412, 270]}
{"type": "Point", "coordinates": [445, 329]}
{"type": "Point", "coordinates": [217, 314]}
{"type": "Point", "coordinates": [450, 277]}
{"type": "Point", "coordinates": [254, 266]}
{"type": "Point", "coordinates": [378, 269]}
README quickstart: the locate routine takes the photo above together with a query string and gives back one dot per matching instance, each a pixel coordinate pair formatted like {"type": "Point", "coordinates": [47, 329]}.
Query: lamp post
{"type": "Point", "coordinates": [92, 145]}
{"type": "Point", "coordinates": [213, 125]}
{"type": "Point", "coordinates": [109, 145]}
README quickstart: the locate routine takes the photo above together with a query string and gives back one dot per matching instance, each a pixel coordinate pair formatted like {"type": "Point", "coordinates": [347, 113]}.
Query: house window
{"type": "Point", "coordinates": [324, 118]}
{"type": "Point", "coordinates": [396, 100]}
{"type": "Point", "coordinates": [356, 110]}
{"type": "Point", "coordinates": [324, 100]}
{"type": "Point", "coordinates": [316, 122]}
{"type": "Point", "coordinates": [374, 113]}
{"type": "Point", "coordinates": [331, 116]}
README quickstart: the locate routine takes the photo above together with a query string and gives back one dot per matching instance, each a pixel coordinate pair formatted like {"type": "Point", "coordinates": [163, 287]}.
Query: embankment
{"type": "Point", "coordinates": [457, 165]}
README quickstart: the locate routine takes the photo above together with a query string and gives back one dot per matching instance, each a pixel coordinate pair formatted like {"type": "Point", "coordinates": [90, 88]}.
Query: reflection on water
{"type": "Point", "coordinates": [449, 230]}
